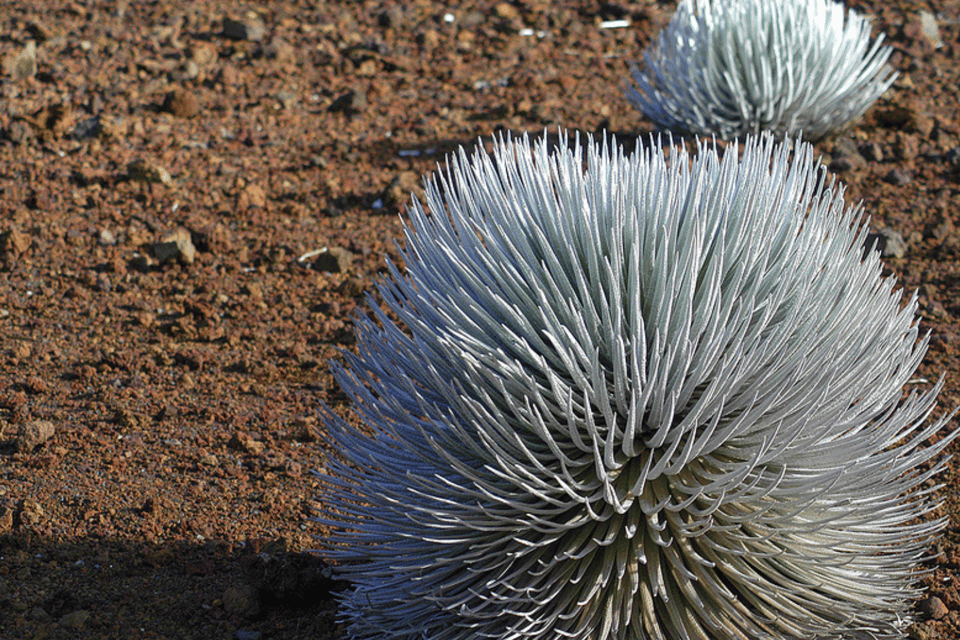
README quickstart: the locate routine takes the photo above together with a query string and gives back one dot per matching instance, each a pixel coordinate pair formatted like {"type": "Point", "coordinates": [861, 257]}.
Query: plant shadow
{"type": "Point", "coordinates": [110, 588]}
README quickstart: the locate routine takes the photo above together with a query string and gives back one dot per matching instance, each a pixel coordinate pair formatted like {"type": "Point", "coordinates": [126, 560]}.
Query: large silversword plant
{"type": "Point", "coordinates": [633, 396]}
{"type": "Point", "coordinates": [732, 67]}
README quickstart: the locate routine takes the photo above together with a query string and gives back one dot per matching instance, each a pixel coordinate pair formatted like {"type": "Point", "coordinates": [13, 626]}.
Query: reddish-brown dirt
{"type": "Point", "coordinates": [158, 402]}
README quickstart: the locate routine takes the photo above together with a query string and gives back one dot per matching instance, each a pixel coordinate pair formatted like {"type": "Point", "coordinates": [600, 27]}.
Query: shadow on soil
{"type": "Point", "coordinates": [109, 588]}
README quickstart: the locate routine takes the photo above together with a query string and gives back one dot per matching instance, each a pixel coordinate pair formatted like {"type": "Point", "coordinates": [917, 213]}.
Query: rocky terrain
{"type": "Point", "coordinates": [194, 197]}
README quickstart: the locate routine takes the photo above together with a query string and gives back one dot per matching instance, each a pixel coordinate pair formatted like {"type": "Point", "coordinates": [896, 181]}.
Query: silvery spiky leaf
{"type": "Point", "coordinates": [632, 397]}
{"type": "Point", "coordinates": [732, 67]}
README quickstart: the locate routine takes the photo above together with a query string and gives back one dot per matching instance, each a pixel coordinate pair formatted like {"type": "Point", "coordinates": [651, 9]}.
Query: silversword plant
{"type": "Point", "coordinates": [639, 396]}
{"type": "Point", "coordinates": [733, 67]}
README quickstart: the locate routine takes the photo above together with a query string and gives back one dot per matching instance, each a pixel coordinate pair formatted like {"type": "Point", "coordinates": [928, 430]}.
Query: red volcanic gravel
{"type": "Point", "coordinates": [163, 168]}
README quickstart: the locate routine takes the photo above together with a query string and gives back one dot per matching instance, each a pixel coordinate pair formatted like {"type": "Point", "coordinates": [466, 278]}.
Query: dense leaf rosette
{"type": "Point", "coordinates": [732, 67]}
{"type": "Point", "coordinates": [632, 396]}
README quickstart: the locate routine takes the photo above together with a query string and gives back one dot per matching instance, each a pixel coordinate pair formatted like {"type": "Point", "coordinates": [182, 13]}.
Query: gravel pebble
{"type": "Point", "coordinates": [334, 260]}
{"type": "Point", "coordinates": [75, 620]}
{"type": "Point", "coordinates": [241, 601]}
{"type": "Point", "coordinates": [22, 64]}
{"type": "Point", "coordinates": [890, 243]}
{"type": "Point", "coordinates": [933, 607]}
{"type": "Point", "coordinates": [248, 27]}
{"type": "Point", "coordinates": [182, 103]}
{"type": "Point", "coordinates": [898, 177]}
{"type": "Point", "coordinates": [33, 434]}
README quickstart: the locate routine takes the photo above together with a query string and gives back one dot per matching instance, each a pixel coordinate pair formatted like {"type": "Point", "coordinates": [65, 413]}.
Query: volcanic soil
{"type": "Point", "coordinates": [194, 197]}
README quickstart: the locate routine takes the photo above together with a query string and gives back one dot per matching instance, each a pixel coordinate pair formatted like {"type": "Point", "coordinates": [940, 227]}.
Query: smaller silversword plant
{"type": "Point", "coordinates": [633, 397]}
{"type": "Point", "coordinates": [733, 67]}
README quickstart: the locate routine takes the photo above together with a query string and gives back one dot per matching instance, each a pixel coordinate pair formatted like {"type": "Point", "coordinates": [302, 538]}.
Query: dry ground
{"type": "Point", "coordinates": [158, 405]}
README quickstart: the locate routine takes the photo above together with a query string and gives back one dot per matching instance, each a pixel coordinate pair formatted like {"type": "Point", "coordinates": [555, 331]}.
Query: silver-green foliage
{"type": "Point", "coordinates": [632, 396]}
{"type": "Point", "coordinates": [732, 67]}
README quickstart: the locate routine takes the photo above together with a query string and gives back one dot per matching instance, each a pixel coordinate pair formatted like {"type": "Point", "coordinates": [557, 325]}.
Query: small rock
{"type": "Point", "coordinates": [41, 31]}
{"type": "Point", "coordinates": [182, 103]}
{"type": "Point", "coordinates": [251, 195]}
{"type": "Point", "coordinates": [22, 352]}
{"type": "Point", "coordinates": [33, 434]}
{"type": "Point", "coordinates": [189, 70]}
{"type": "Point", "coordinates": [229, 74]}
{"type": "Point", "coordinates": [53, 120]}
{"type": "Point", "coordinates": [19, 132]}
{"type": "Point", "coordinates": [249, 27]}
{"type": "Point", "coordinates": [87, 128]}
{"type": "Point", "coordinates": [287, 98]}
{"type": "Point", "coordinates": [350, 102]}
{"type": "Point", "coordinates": [135, 440]}
{"type": "Point", "coordinates": [130, 419]}
{"type": "Point", "coordinates": [933, 607]}
{"type": "Point", "coordinates": [176, 245]}
{"type": "Point", "coordinates": [429, 39]}
{"type": "Point", "coordinates": [506, 11]}
{"type": "Point", "coordinates": [169, 411]}
{"type": "Point", "coordinates": [952, 157]}
{"type": "Point", "coordinates": [245, 442]}
{"type": "Point", "coordinates": [352, 287]}
{"type": "Point", "coordinates": [334, 259]}
{"type": "Point", "coordinates": [241, 601]}
{"type": "Point", "coordinates": [143, 171]}
{"type": "Point", "coordinates": [898, 177]}
{"type": "Point", "coordinates": [943, 231]}
{"type": "Point", "coordinates": [104, 284]}
{"type": "Point", "coordinates": [888, 242]}
{"type": "Point", "coordinates": [23, 64]}
{"type": "Point", "coordinates": [31, 513]}
{"type": "Point", "coordinates": [106, 238]}
{"type": "Point", "coordinates": [392, 17]}
{"type": "Point", "coordinates": [846, 156]}
{"type": "Point", "coordinates": [152, 507]}
{"type": "Point", "coordinates": [13, 243]}
{"type": "Point", "coordinates": [935, 309]}
{"type": "Point", "coordinates": [903, 81]}
{"type": "Point", "coordinates": [304, 430]}
{"type": "Point", "coordinates": [907, 146]}
{"type": "Point", "coordinates": [38, 614]}
{"type": "Point", "coordinates": [281, 51]}
{"type": "Point", "coordinates": [212, 238]}
{"type": "Point", "coordinates": [75, 620]}
{"type": "Point", "coordinates": [920, 631]}
{"type": "Point", "coordinates": [114, 128]}
{"type": "Point", "coordinates": [872, 151]}
{"type": "Point", "coordinates": [253, 289]}
{"type": "Point", "coordinates": [248, 634]}
{"type": "Point", "coordinates": [401, 187]}
{"type": "Point", "coordinates": [923, 124]}
{"type": "Point", "coordinates": [930, 30]}
{"type": "Point", "coordinates": [204, 54]}
{"type": "Point", "coordinates": [841, 165]}
{"type": "Point", "coordinates": [6, 519]}
{"type": "Point", "coordinates": [36, 385]}
{"type": "Point", "coordinates": [471, 19]}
